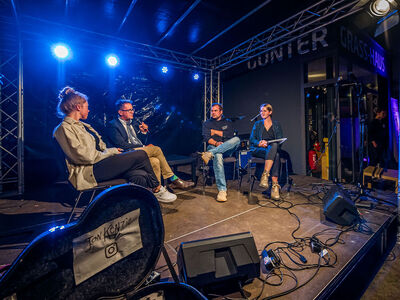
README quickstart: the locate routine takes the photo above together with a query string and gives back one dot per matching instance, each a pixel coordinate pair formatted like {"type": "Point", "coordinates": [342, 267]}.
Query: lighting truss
{"type": "Point", "coordinates": [11, 123]}
{"type": "Point", "coordinates": [152, 53]}
{"type": "Point", "coordinates": [212, 92]}
{"type": "Point", "coordinates": [308, 20]}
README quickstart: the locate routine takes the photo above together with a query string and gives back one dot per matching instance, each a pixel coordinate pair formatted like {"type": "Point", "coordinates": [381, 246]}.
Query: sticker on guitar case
{"type": "Point", "coordinates": [105, 245]}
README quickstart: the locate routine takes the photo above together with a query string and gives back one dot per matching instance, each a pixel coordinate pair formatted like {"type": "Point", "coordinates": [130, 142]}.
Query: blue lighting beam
{"type": "Point", "coordinates": [61, 51]}
{"type": "Point", "coordinates": [112, 60]}
{"type": "Point", "coordinates": [164, 69]}
{"type": "Point", "coordinates": [196, 76]}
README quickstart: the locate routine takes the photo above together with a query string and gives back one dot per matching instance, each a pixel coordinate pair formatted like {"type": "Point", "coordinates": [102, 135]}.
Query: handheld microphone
{"type": "Point", "coordinates": [255, 117]}
{"type": "Point", "coordinates": [140, 123]}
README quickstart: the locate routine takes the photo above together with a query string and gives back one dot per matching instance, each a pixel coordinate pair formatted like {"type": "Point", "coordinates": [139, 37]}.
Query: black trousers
{"type": "Point", "coordinates": [134, 166]}
{"type": "Point", "coordinates": [269, 153]}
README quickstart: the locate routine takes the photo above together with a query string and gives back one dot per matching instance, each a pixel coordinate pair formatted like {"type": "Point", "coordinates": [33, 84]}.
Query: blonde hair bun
{"type": "Point", "coordinates": [66, 91]}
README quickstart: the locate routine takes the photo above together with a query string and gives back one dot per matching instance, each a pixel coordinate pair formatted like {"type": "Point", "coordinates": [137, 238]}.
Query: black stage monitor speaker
{"type": "Point", "coordinates": [339, 208]}
{"type": "Point", "coordinates": [212, 261]}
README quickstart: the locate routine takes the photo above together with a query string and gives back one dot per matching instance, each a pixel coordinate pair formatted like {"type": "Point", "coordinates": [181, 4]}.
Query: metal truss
{"type": "Point", "coordinates": [11, 121]}
{"type": "Point", "coordinates": [306, 21]}
{"type": "Point", "coordinates": [149, 52]}
{"type": "Point", "coordinates": [178, 59]}
{"type": "Point", "coordinates": [212, 92]}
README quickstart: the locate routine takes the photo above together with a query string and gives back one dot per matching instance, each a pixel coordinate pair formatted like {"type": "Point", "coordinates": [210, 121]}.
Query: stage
{"type": "Point", "coordinates": [196, 215]}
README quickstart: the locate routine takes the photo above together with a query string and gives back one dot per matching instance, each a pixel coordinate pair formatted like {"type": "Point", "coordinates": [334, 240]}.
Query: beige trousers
{"type": "Point", "coordinates": [158, 162]}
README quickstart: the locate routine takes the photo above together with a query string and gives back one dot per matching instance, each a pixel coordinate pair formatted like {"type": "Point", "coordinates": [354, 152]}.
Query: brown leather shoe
{"type": "Point", "coordinates": [181, 184]}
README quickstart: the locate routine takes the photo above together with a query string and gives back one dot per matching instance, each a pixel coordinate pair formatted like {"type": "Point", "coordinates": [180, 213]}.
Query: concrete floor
{"type": "Point", "coordinates": [196, 215]}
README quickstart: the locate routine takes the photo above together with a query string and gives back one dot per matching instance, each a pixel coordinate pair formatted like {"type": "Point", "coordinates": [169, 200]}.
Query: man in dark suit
{"type": "Point", "coordinates": [122, 134]}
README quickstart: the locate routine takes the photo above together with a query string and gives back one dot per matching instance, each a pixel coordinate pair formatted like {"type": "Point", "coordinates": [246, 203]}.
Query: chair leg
{"type": "Point", "coordinates": [204, 177]}
{"type": "Point", "coordinates": [252, 199]}
{"type": "Point", "coordinates": [91, 197]}
{"type": "Point", "coordinates": [76, 204]}
{"type": "Point", "coordinates": [287, 174]}
{"type": "Point", "coordinates": [194, 178]}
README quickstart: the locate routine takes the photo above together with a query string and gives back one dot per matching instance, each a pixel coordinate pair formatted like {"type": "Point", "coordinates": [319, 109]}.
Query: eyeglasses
{"type": "Point", "coordinates": [131, 109]}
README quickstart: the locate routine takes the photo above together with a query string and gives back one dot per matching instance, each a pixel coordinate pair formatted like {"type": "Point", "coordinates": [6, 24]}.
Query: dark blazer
{"type": "Point", "coordinates": [118, 137]}
{"type": "Point", "coordinates": [256, 133]}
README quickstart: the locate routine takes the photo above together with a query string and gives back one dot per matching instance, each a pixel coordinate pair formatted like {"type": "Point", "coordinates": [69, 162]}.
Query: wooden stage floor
{"type": "Point", "coordinates": [196, 215]}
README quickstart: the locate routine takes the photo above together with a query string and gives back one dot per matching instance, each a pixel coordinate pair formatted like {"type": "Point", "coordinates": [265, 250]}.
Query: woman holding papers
{"type": "Point", "coordinates": [263, 146]}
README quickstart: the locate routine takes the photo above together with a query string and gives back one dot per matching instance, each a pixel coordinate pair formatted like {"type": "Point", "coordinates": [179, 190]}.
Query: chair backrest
{"type": "Point", "coordinates": [112, 248]}
{"type": "Point", "coordinates": [60, 157]}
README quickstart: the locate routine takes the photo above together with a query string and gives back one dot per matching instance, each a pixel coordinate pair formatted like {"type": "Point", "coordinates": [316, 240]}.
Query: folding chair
{"type": "Point", "coordinates": [99, 187]}
{"type": "Point", "coordinates": [253, 176]}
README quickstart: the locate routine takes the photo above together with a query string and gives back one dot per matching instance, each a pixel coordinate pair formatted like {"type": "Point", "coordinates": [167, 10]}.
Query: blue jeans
{"type": "Point", "coordinates": [224, 150]}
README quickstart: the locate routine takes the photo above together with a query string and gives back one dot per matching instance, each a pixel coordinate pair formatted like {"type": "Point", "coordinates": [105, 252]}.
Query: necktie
{"type": "Point", "coordinates": [132, 135]}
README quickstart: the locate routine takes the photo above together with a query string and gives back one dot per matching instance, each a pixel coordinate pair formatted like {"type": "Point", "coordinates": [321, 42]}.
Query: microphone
{"type": "Point", "coordinates": [339, 80]}
{"type": "Point", "coordinates": [140, 123]}
{"type": "Point", "coordinates": [255, 117]}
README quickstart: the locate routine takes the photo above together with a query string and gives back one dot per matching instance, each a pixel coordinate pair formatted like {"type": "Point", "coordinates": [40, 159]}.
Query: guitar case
{"type": "Point", "coordinates": [110, 250]}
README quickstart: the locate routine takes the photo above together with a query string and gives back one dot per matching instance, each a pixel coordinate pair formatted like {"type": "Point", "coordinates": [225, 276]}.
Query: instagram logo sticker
{"type": "Point", "coordinates": [111, 250]}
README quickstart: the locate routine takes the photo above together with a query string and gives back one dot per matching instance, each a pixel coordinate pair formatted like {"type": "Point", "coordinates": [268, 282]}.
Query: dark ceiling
{"type": "Point", "coordinates": [192, 27]}
{"type": "Point", "coordinates": [204, 28]}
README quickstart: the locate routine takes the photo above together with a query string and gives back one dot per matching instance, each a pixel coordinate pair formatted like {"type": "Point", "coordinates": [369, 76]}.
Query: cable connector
{"type": "Point", "coordinates": [269, 260]}
{"type": "Point", "coordinates": [323, 252]}
{"type": "Point", "coordinates": [315, 245]}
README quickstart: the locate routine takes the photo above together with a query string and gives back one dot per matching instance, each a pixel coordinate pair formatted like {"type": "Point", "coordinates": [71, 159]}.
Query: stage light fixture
{"type": "Point", "coordinates": [379, 8]}
{"type": "Point", "coordinates": [61, 51]}
{"type": "Point", "coordinates": [112, 60]}
{"type": "Point", "coordinates": [164, 69]}
{"type": "Point", "coordinates": [196, 76]}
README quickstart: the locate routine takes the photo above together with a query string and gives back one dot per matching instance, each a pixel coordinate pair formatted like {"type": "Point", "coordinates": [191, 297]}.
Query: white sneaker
{"type": "Point", "coordinates": [164, 196]}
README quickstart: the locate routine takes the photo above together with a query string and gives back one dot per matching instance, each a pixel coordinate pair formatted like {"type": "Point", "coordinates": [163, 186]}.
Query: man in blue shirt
{"type": "Point", "coordinates": [218, 134]}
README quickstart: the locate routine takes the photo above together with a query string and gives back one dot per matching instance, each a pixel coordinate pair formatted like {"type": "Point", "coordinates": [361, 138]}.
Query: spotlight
{"type": "Point", "coordinates": [196, 76]}
{"type": "Point", "coordinates": [61, 51]}
{"type": "Point", "coordinates": [164, 69]}
{"type": "Point", "coordinates": [379, 8]}
{"type": "Point", "coordinates": [112, 60]}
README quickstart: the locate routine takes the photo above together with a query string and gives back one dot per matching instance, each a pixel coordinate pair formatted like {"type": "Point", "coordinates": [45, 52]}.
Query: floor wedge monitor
{"type": "Point", "coordinates": [216, 260]}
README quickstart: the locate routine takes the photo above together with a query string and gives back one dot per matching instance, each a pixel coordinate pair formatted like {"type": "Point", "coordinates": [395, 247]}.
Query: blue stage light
{"type": "Point", "coordinates": [61, 51]}
{"type": "Point", "coordinates": [196, 76]}
{"type": "Point", "coordinates": [164, 69]}
{"type": "Point", "coordinates": [112, 60]}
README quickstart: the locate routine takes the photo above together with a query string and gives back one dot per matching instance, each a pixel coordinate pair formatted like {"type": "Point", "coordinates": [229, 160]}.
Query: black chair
{"type": "Point", "coordinates": [227, 160]}
{"type": "Point", "coordinates": [252, 164]}
{"type": "Point", "coordinates": [98, 188]}
{"type": "Point", "coordinates": [179, 160]}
